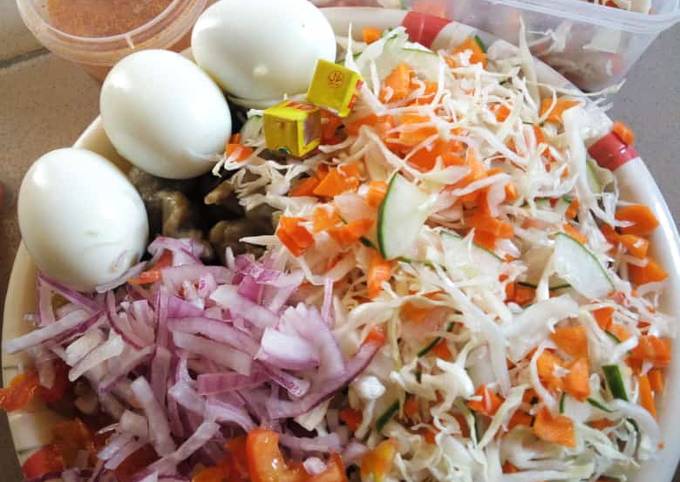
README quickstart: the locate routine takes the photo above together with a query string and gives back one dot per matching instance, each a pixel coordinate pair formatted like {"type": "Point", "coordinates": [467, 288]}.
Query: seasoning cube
{"type": "Point", "coordinates": [292, 126]}
{"type": "Point", "coordinates": [334, 87]}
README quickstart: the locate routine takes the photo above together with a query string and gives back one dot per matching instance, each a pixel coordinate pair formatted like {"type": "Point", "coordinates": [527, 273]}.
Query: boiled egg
{"type": "Point", "coordinates": [164, 114]}
{"type": "Point", "coordinates": [81, 220]}
{"type": "Point", "coordinates": [262, 49]}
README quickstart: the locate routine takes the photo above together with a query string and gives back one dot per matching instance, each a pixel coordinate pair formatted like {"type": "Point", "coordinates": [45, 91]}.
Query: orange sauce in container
{"type": "Point", "coordinates": [97, 33]}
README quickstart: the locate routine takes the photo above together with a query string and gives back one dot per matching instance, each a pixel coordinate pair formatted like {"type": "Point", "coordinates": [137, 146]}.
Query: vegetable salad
{"type": "Point", "coordinates": [454, 291]}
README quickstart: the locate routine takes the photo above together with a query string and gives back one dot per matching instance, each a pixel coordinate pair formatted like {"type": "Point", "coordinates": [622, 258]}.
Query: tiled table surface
{"type": "Point", "coordinates": [45, 103]}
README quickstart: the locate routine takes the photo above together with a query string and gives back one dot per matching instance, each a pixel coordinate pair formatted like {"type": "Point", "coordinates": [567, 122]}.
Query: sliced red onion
{"type": "Point", "coordinates": [217, 352]}
{"type": "Point", "coordinates": [160, 370]}
{"type": "Point", "coordinates": [246, 265]}
{"type": "Point", "coordinates": [79, 349]}
{"type": "Point", "coordinates": [205, 432]}
{"type": "Point", "coordinates": [109, 349]}
{"type": "Point", "coordinates": [114, 444]}
{"type": "Point", "coordinates": [124, 453]}
{"type": "Point", "coordinates": [73, 296]}
{"type": "Point", "coordinates": [308, 323]}
{"type": "Point", "coordinates": [250, 289]}
{"type": "Point", "coordinates": [187, 397]}
{"type": "Point", "coordinates": [50, 332]}
{"type": "Point", "coordinates": [127, 361]}
{"type": "Point", "coordinates": [152, 477]}
{"type": "Point", "coordinates": [287, 351]}
{"type": "Point", "coordinates": [215, 330]}
{"type": "Point", "coordinates": [179, 308]}
{"type": "Point", "coordinates": [297, 387]}
{"type": "Point", "coordinates": [327, 302]}
{"type": "Point", "coordinates": [184, 251]}
{"type": "Point", "coordinates": [159, 428]}
{"type": "Point", "coordinates": [323, 390]}
{"type": "Point", "coordinates": [111, 405]}
{"type": "Point", "coordinates": [121, 324]}
{"type": "Point", "coordinates": [213, 383]}
{"type": "Point", "coordinates": [176, 276]}
{"type": "Point", "coordinates": [223, 412]}
{"type": "Point", "coordinates": [161, 306]}
{"type": "Point", "coordinates": [322, 443]}
{"type": "Point", "coordinates": [134, 424]}
{"type": "Point", "coordinates": [354, 452]}
{"type": "Point", "coordinates": [176, 426]}
{"type": "Point", "coordinates": [227, 297]}
{"type": "Point", "coordinates": [44, 362]}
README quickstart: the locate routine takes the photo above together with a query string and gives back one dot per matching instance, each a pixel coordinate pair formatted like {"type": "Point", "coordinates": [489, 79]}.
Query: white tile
{"type": "Point", "coordinates": [15, 38]}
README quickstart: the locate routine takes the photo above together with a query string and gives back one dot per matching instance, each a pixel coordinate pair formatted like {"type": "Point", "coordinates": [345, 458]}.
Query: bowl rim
{"type": "Point", "coordinates": [635, 182]}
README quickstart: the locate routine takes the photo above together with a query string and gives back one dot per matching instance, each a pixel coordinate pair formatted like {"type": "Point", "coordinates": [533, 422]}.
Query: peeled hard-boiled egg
{"type": "Point", "coordinates": [164, 114]}
{"type": "Point", "coordinates": [262, 49]}
{"type": "Point", "coordinates": [81, 220]}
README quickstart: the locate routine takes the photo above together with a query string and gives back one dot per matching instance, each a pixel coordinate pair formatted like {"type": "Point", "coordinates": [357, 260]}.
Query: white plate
{"type": "Point", "coordinates": [31, 427]}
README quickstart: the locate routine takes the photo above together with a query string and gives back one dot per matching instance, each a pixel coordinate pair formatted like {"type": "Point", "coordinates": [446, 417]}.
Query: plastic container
{"type": "Point", "coordinates": [169, 28]}
{"type": "Point", "coordinates": [592, 45]}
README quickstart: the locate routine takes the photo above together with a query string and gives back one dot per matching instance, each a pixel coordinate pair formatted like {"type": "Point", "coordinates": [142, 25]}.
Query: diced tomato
{"type": "Point", "coordinates": [134, 463]}
{"type": "Point", "coordinates": [20, 391]}
{"type": "Point", "coordinates": [44, 461]}
{"type": "Point", "coordinates": [265, 461]}
{"type": "Point", "coordinates": [71, 437]}
{"type": "Point", "coordinates": [351, 417]}
{"type": "Point", "coordinates": [59, 386]}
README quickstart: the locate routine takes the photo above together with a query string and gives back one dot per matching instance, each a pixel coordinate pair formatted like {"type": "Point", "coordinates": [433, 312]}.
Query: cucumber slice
{"type": "Point", "coordinates": [599, 405]}
{"type": "Point", "coordinates": [401, 216]}
{"type": "Point", "coordinates": [614, 377]}
{"type": "Point", "coordinates": [578, 266]}
{"type": "Point", "coordinates": [598, 178]}
{"type": "Point", "coordinates": [562, 399]}
{"type": "Point", "coordinates": [536, 259]}
{"type": "Point", "coordinates": [470, 259]}
{"type": "Point", "coordinates": [386, 416]}
{"type": "Point", "coordinates": [428, 348]}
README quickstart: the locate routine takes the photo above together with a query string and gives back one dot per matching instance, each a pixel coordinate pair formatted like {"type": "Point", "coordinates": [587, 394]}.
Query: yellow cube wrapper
{"type": "Point", "coordinates": [292, 126]}
{"type": "Point", "coordinates": [333, 87]}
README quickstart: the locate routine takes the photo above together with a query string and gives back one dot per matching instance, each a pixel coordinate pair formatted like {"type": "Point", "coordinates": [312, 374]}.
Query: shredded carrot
{"type": "Point", "coordinates": [429, 434]}
{"type": "Point", "coordinates": [555, 429]}
{"type": "Point", "coordinates": [574, 233]}
{"type": "Point", "coordinates": [555, 114]}
{"type": "Point", "coordinates": [336, 182]}
{"type": "Point", "coordinates": [351, 417]}
{"type": "Point", "coordinates": [649, 273]}
{"type": "Point", "coordinates": [489, 404]}
{"type": "Point", "coordinates": [485, 240]}
{"type": "Point", "coordinates": [415, 129]}
{"type": "Point", "coordinates": [239, 151]}
{"type": "Point", "coordinates": [656, 380]}
{"type": "Point", "coordinates": [635, 245]}
{"type": "Point", "coordinates": [619, 331]}
{"type": "Point", "coordinates": [508, 468]}
{"type": "Point", "coordinates": [576, 381]}
{"type": "Point", "coordinates": [510, 192]}
{"type": "Point", "coordinates": [520, 418]}
{"type": "Point", "coordinates": [642, 219]}
{"type": "Point", "coordinates": [624, 133]}
{"type": "Point", "coordinates": [330, 123]}
{"type": "Point", "coordinates": [601, 424]}
{"type": "Point", "coordinates": [501, 111]}
{"type": "Point", "coordinates": [653, 349]}
{"type": "Point", "coordinates": [572, 210]}
{"type": "Point", "coordinates": [411, 407]}
{"type": "Point", "coordinates": [293, 235]}
{"type": "Point", "coordinates": [371, 34]}
{"type": "Point", "coordinates": [381, 124]}
{"type": "Point", "coordinates": [414, 313]}
{"type": "Point", "coordinates": [646, 395]}
{"type": "Point", "coordinates": [484, 222]}
{"type": "Point", "coordinates": [604, 317]}
{"type": "Point", "coordinates": [376, 193]}
{"type": "Point", "coordinates": [305, 187]}
{"type": "Point", "coordinates": [547, 365]}
{"type": "Point", "coordinates": [351, 232]}
{"type": "Point", "coordinates": [610, 234]}
{"type": "Point", "coordinates": [520, 294]}
{"type": "Point", "coordinates": [441, 350]}
{"type": "Point", "coordinates": [462, 423]}
{"type": "Point", "coordinates": [397, 84]}
{"type": "Point", "coordinates": [572, 340]}
{"type": "Point", "coordinates": [478, 55]}
{"type": "Point", "coordinates": [450, 152]}
{"type": "Point", "coordinates": [379, 270]}
{"type": "Point", "coordinates": [324, 218]}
